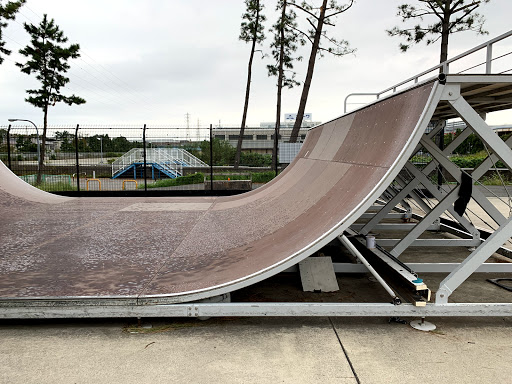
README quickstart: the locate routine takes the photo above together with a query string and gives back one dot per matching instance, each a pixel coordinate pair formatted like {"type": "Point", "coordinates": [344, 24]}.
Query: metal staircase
{"type": "Point", "coordinates": [166, 161]}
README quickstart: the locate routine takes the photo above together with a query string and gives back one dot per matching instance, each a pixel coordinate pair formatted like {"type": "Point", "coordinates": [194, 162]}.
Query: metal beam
{"type": "Point", "coordinates": [261, 309]}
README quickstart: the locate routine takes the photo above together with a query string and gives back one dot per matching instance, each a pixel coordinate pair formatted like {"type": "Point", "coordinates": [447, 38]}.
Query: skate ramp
{"type": "Point", "coordinates": [185, 249]}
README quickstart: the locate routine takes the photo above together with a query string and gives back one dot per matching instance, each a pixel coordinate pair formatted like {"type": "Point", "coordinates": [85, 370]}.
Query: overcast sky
{"type": "Point", "coordinates": [155, 61]}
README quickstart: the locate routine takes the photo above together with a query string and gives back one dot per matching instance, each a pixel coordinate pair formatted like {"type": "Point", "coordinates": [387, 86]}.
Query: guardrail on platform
{"type": "Point", "coordinates": [445, 68]}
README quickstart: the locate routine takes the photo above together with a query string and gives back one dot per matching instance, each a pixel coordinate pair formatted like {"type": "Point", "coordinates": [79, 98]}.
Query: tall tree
{"type": "Point", "coordinates": [48, 60]}
{"type": "Point", "coordinates": [447, 17]}
{"type": "Point", "coordinates": [283, 46]}
{"type": "Point", "coordinates": [318, 19]}
{"type": "Point", "coordinates": [7, 12]}
{"type": "Point", "coordinates": [251, 32]}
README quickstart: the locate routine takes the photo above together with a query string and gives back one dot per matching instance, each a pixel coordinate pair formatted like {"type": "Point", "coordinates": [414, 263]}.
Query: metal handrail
{"type": "Point", "coordinates": [444, 65]}
{"type": "Point", "coordinates": [173, 159]}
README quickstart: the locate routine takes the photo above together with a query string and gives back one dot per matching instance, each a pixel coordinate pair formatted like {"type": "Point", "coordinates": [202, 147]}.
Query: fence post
{"type": "Point", "coordinates": [77, 160]}
{"type": "Point", "coordinates": [211, 158]}
{"type": "Point", "coordinates": [276, 138]}
{"type": "Point", "coordinates": [144, 154]}
{"type": "Point", "coordinates": [9, 147]}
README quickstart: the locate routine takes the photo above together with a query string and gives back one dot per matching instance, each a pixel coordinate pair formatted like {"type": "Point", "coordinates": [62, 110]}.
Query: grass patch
{"type": "Point", "coordinates": [494, 179]}
{"type": "Point", "coordinates": [256, 177]}
{"type": "Point", "coordinates": [230, 177]}
{"type": "Point", "coordinates": [196, 178]}
{"type": "Point", "coordinates": [263, 177]}
{"type": "Point", "coordinates": [56, 187]}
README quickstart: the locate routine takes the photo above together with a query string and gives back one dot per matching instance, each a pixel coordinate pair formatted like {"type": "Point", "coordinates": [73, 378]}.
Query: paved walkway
{"type": "Point", "coordinates": [264, 350]}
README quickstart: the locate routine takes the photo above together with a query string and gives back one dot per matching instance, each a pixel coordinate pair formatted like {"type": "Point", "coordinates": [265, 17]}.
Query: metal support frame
{"type": "Point", "coordinates": [472, 262]}
{"type": "Point", "coordinates": [458, 272]}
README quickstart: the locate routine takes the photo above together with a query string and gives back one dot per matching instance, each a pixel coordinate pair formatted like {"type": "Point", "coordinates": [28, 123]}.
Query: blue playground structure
{"type": "Point", "coordinates": [164, 162]}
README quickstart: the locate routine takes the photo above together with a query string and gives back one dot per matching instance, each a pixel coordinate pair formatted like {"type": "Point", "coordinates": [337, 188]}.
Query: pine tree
{"type": "Point", "coordinates": [47, 59]}
{"type": "Point", "coordinates": [319, 18]}
{"type": "Point", "coordinates": [285, 43]}
{"type": "Point", "coordinates": [449, 16]}
{"type": "Point", "coordinates": [7, 12]}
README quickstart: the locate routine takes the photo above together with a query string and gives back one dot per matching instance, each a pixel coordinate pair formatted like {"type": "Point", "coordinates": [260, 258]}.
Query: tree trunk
{"type": "Point", "coordinates": [279, 90]}
{"type": "Point", "coordinates": [43, 147]}
{"type": "Point", "coordinates": [247, 89]}
{"type": "Point", "coordinates": [309, 74]}
{"type": "Point", "coordinates": [445, 33]}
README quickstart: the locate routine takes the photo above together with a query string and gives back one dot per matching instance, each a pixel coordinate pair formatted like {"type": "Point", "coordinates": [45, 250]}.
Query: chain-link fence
{"type": "Point", "coordinates": [72, 160]}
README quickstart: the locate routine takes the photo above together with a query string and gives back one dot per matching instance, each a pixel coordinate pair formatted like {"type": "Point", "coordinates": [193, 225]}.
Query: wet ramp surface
{"type": "Point", "coordinates": [190, 248]}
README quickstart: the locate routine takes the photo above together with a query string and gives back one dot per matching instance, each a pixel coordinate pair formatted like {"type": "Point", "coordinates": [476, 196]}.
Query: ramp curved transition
{"type": "Point", "coordinates": [187, 249]}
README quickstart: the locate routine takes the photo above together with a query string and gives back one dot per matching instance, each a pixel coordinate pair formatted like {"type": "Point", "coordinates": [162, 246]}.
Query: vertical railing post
{"type": "Point", "coordinates": [211, 158]}
{"type": "Point", "coordinates": [77, 159]}
{"type": "Point", "coordinates": [144, 155]}
{"type": "Point", "coordinates": [9, 147]}
{"type": "Point", "coordinates": [488, 60]}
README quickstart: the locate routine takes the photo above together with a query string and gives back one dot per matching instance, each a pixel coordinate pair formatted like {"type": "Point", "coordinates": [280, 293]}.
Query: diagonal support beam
{"type": "Point", "coordinates": [439, 196]}
{"type": "Point", "coordinates": [407, 187]}
{"type": "Point", "coordinates": [457, 174]}
{"type": "Point", "coordinates": [427, 220]}
{"type": "Point", "coordinates": [473, 261]}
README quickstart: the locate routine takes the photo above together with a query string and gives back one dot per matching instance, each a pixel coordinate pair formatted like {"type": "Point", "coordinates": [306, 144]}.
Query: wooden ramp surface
{"type": "Point", "coordinates": [186, 249]}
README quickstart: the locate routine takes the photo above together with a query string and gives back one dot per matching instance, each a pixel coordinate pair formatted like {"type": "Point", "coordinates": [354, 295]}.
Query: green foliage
{"type": "Point", "coordinates": [56, 187]}
{"type": "Point", "coordinates": [255, 160]}
{"type": "Point", "coordinates": [263, 177]}
{"type": "Point", "coordinates": [25, 144]}
{"type": "Point", "coordinates": [497, 179]}
{"type": "Point", "coordinates": [473, 161]}
{"type": "Point", "coordinates": [224, 155]}
{"type": "Point", "coordinates": [223, 152]}
{"type": "Point", "coordinates": [47, 58]}
{"type": "Point", "coordinates": [251, 28]}
{"type": "Point", "coordinates": [7, 12]}
{"type": "Point", "coordinates": [111, 147]}
{"type": "Point", "coordinates": [284, 45]}
{"type": "Point", "coordinates": [229, 176]}
{"type": "Point", "coordinates": [68, 141]}
{"type": "Point", "coordinates": [471, 145]}
{"type": "Point", "coordinates": [445, 17]}
{"type": "Point", "coordinates": [319, 18]}
{"type": "Point", "coordinates": [196, 178]}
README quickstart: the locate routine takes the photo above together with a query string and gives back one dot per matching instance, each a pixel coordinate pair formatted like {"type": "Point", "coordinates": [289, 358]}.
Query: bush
{"type": "Point", "coordinates": [473, 161]}
{"type": "Point", "coordinates": [196, 178]}
{"type": "Point", "coordinates": [263, 177]}
{"type": "Point", "coordinates": [255, 160]}
{"type": "Point", "coordinates": [56, 187]}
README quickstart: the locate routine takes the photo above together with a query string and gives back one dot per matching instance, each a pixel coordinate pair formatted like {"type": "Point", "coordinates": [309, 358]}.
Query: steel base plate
{"type": "Point", "coordinates": [422, 325]}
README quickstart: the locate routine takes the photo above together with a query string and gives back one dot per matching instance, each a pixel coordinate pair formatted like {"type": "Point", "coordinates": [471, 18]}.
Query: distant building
{"type": "Point", "coordinates": [257, 140]}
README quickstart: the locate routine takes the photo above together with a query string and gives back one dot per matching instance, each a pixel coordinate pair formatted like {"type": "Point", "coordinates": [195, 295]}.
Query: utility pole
{"type": "Point", "coordinates": [187, 117]}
